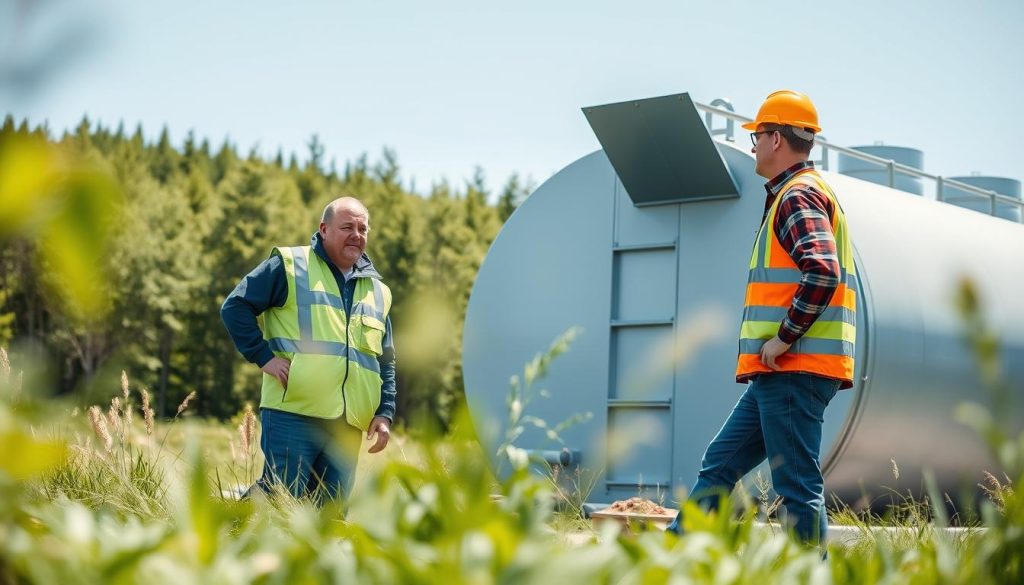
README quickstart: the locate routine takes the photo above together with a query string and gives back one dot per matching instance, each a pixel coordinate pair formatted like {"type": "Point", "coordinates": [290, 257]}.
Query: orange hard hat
{"type": "Point", "coordinates": [787, 108]}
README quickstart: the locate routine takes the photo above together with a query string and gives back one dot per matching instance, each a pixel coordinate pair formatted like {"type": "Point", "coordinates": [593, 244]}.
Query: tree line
{"type": "Point", "coordinates": [193, 219]}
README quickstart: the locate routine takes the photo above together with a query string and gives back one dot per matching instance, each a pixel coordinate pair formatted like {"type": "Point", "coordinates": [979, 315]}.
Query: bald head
{"type": "Point", "coordinates": [344, 228]}
{"type": "Point", "coordinates": [350, 204]}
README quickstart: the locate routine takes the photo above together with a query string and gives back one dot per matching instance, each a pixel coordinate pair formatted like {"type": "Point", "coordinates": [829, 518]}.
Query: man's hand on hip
{"type": "Point", "coordinates": [771, 350]}
{"type": "Point", "coordinates": [381, 427]}
{"type": "Point", "coordinates": [278, 368]}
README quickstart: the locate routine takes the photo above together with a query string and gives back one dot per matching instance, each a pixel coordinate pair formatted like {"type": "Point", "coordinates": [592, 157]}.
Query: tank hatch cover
{"type": "Point", "coordinates": [661, 150]}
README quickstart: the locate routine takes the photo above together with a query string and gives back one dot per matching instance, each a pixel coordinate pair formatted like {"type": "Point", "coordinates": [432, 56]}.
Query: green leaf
{"type": "Point", "coordinates": [25, 457]}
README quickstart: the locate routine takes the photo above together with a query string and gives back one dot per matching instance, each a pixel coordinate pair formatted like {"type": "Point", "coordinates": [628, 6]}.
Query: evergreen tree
{"type": "Point", "coordinates": [512, 196]}
{"type": "Point", "coordinates": [82, 132]}
{"type": "Point", "coordinates": [316, 154]}
{"type": "Point", "coordinates": [189, 155]}
{"type": "Point", "coordinates": [223, 162]}
{"type": "Point", "coordinates": [394, 240]}
{"type": "Point", "coordinates": [311, 181]}
{"type": "Point", "coordinates": [164, 161]}
{"type": "Point", "coordinates": [139, 138]}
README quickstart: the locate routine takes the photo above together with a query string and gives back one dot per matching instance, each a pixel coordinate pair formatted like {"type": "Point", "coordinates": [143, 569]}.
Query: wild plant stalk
{"type": "Point", "coordinates": [126, 395]}
{"type": "Point", "coordinates": [99, 426]}
{"type": "Point", "coordinates": [184, 403]}
{"type": "Point", "coordinates": [247, 440]}
{"type": "Point", "coordinates": [997, 491]}
{"type": "Point", "coordinates": [522, 393]}
{"type": "Point", "coordinates": [5, 366]}
{"type": "Point", "coordinates": [767, 506]}
{"type": "Point", "coordinates": [114, 417]}
{"type": "Point", "coordinates": [571, 489]}
{"type": "Point", "coordinates": [181, 408]}
{"type": "Point", "coordinates": [147, 412]}
{"type": "Point", "coordinates": [5, 375]}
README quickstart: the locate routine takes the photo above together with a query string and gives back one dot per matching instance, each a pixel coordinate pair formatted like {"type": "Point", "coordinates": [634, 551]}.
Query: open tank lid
{"type": "Point", "coordinates": [661, 150]}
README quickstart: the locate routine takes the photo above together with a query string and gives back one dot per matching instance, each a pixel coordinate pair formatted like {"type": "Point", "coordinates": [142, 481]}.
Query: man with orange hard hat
{"type": "Point", "coordinates": [796, 342]}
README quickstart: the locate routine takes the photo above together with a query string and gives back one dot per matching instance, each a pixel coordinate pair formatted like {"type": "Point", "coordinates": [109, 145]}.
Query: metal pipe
{"type": "Point", "coordinates": [565, 458]}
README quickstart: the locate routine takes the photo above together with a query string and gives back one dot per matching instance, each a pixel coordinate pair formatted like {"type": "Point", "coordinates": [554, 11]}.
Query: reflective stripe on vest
{"type": "Point", "coordinates": [334, 368]}
{"type": "Point", "coordinates": [827, 348]}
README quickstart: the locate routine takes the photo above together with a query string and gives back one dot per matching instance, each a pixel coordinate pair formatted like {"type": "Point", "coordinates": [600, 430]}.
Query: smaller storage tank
{"type": "Point", "coordinates": [981, 203]}
{"type": "Point", "coordinates": [879, 174]}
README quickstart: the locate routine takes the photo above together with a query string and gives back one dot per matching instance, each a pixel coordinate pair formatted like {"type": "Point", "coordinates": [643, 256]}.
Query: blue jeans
{"type": "Point", "coordinates": [310, 457]}
{"type": "Point", "coordinates": [779, 417]}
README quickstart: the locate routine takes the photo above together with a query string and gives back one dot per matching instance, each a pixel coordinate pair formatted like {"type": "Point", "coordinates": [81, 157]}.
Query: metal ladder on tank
{"type": "Point", "coordinates": [650, 476]}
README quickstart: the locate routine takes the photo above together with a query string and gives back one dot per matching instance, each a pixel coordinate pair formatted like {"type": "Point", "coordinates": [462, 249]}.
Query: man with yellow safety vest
{"type": "Point", "coordinates": [796, 342]}
{"type": "Point", "coordinates": [315, 319]}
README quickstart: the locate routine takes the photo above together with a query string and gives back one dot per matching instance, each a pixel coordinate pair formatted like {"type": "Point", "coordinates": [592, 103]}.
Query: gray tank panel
{"type": "Point", "coordinates": [541, 277]}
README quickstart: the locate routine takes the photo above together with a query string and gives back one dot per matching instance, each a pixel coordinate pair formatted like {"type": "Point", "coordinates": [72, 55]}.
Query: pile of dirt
{"type": "Point", "coordinates": [637, 506]}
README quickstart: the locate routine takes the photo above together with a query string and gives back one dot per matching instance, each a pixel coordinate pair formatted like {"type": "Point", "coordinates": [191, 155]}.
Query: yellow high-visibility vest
{"type": "Point", "coordinates": [334, 368]}
{"type": "Point", "coordinates": [827, 348]}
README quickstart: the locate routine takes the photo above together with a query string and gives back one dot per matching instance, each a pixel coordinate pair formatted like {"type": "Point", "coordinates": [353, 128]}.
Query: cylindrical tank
{"type": "Point", "coordinates": [871, 172]}
{"type": "Point", "coordinates": [657, 291]}
{"type": "Point", "coordinates": [1001, 185]}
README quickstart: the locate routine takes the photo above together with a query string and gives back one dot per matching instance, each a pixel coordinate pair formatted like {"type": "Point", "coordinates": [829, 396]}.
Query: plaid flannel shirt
{"type": "Point", "coordinates": [804, 229]}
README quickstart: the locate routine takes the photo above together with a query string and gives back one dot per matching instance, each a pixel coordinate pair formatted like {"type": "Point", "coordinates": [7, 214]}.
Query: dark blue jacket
{"type": "Point", "coordinates": [267, 286]}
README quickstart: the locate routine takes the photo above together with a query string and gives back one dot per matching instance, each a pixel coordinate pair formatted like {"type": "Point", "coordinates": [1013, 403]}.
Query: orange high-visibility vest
{"type": "Point", "coordinates": [827, 348]}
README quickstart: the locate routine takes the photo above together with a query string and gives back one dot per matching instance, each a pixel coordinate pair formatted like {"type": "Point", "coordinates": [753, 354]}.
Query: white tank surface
{"type": "Point", "coordinates": [875, 173]}
{"type": "Point", "coordinates": [645, 246]}
{"type": "Point", "coordinates": [981, 203]}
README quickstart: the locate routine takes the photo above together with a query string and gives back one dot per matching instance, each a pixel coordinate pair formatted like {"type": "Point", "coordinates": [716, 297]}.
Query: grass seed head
{"type": "Point", "coordinates": [184, 403]}
{"type": "Point", "coordinates": [124, 386]}
{"type": "Point", "coordinates": [247, 429]}
{"type": "Point", "coordinates": [996, 490]}
{"type": "Point", "coordinates": [114, 414]}
{"type": "Point", "coordinates": [128, 417]}
{"type": "Point", "coordinates": [99, 426]}
{"type": "Point", "coordinates": [147, 412]}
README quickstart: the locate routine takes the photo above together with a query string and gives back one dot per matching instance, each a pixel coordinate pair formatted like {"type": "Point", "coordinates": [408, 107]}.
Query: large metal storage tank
{"type": "Point", "coordinates": [980, 203]}
{"type": "Point", "coordinates": [881, 175]}
{"type": "Point", "coordinates": [644, 244]}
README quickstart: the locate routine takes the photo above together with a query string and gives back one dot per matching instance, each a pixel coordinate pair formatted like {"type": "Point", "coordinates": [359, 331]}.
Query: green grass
{"type": "Point", "coordinates": [422, 512]}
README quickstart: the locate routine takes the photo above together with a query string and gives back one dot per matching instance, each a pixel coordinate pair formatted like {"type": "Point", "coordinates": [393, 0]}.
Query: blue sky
{"type": "Point", "coordinates": [452, 85]}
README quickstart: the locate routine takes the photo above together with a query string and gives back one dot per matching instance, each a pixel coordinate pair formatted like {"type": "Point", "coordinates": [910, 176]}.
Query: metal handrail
{"type": "Point", "coordinates": [893, 167]}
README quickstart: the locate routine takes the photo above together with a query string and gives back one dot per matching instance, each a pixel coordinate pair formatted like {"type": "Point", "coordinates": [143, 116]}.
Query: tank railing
{"type": "Point", "coordinates": [728, 130]}
{"type": "Point", "coordinates": [894, 168]}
